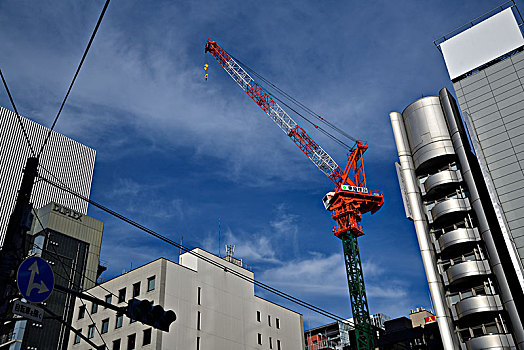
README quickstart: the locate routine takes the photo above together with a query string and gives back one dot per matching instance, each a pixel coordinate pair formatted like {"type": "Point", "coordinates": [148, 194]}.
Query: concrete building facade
{"type": "Point", "coordinates": [442, 190]}
{"type": "Point", "coordinates": [70, 242]}
{"type": "Point", "coordinates": [64, 161]}
{"type": "Point", "coordinates": [215, 309]}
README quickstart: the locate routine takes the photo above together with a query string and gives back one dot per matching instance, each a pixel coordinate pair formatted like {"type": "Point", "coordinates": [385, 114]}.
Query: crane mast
{"type": "Point", "coordinates": [347, 202]}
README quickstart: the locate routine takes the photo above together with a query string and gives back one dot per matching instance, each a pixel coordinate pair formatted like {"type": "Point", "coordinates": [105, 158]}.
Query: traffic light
{"type": "Point", "coordinates": [147, 313]}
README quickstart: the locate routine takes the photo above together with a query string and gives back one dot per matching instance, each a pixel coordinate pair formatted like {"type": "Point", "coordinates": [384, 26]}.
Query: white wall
{"type": "Point", "coordinates": [228, 309]}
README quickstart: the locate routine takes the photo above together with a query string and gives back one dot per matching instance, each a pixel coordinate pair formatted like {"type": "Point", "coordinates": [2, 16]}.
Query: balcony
{"type": "Point", "coordinates": [441, 182]}
{"type": "Point", "coordinates": [477, 304]}
{"type": "Point", "coordinates": [458, 236]}
{"type": "Point", "coordinates": [466, 269]}
{"type": "Point", "coordinates": [449, 210]}
{"type": "Point", "coordinates": [491, 341]}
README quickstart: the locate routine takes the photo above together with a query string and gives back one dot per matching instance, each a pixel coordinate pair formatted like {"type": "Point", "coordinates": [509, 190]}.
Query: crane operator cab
{"type": "Point", "coordinates": [327, 200]}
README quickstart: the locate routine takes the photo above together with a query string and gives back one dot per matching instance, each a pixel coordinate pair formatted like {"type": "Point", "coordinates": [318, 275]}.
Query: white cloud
{"type": "Point", "coordinates": [317, 275]}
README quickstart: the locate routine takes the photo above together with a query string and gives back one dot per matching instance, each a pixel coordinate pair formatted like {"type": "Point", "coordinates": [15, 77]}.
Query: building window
{"type": "Point", "coordinates": [270, 343]}
{"type": "Point", "coordinates": [136, 289]}
{"type": "Point", "coordinates": [258, 316]}
{"type": "Point", "coordinates": [116, 344]}
{"type": "Point", "coordinates": [105, 326]}
{"type": "Point", "coordinates": [81, 312]}
{"type": "Point", "coordinates": [94, 308]}
{"type": "Point", "coordinates": [109, 297]}
{"type": "Point", "coordinates": [91, 331]}
{"type": "Point", "coordinates": [131, 341]}
{"type": "Point", "coordinates": [121, 295]}
{"type": "Point", "coordinates": [259, 339]}
{"type": "Point", "coordinates": [198, 343]}
{"type": "Point", "coordinates": [151, 283]}
{"type": "Point", "coordinates": [278, 345]}
{"type": "Point", "coordinates": [198, 298]}
{"type": "Point", "coordinates": [198, 320]}
{"type": "Point", "coordinates": [119, 321]}
{"type": "Point", "coordinates": [277, 321]}
{"type": "Point", "coordinates": [147, 337]}
{"type": "Point", "coordinates": [77, 337]}
{"type": "Point", "coordinates": [269, 320]}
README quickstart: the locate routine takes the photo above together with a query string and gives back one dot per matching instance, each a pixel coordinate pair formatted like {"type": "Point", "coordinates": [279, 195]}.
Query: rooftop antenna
{"type": "Point", "coordinates": [181, 239]}
{"type": "Point", "coordinates": [230, 249]}
{"type": "Point", "coordinates": [219, 246]}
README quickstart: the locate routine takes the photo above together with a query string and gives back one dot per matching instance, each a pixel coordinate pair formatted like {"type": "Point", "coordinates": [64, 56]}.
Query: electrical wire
{"type": "Point", "coordinates": [76, 74]}
{"type": "Point", "coordinates": [208, 260]}
{"type": "Point", "coordinates": [26, 136]}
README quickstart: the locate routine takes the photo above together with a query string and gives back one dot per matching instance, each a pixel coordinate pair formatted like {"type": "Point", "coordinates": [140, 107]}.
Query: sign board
{"type": "Point", "coordinates": [482, 43]}
{"type": "Point", "coordinates": [354, 189]}
{"type": "Point", "coordinates": [28, 311]}
{"type": "Point", "coordinates": [35, 279]}
{"type": "Point", "coordinates": [430, 319]}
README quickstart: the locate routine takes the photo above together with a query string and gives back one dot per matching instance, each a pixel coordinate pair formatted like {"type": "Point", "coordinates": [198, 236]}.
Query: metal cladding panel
{"type": "Point", "coordinates": [482, 43]}
{"type": "Point", "coordinates": [439, 180]}
{"type": "Point", "coordinates": [491, 341]}
{"type": "Point", "coordinates": [497, 131]}
{"type": "Point", "coordinates": [458, 236]}
{"type": "Point", "coordinates": [69, 161]}
{"type": "Point", "coordinates": [427, 132]}
{"type": "Point", "coordinates": [476, 304]}
{"type": "Point", "coordinates": [467, 269]}
{"type": "Point", "coordinates": [449, 206]}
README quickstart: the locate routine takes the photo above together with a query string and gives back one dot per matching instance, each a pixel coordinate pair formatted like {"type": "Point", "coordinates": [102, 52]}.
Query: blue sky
{"type": "Point", "coordinates": [176, 153]}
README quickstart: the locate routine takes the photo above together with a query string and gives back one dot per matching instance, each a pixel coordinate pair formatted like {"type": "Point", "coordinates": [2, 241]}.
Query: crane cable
{"type": "Point", "coordinates": [325, 132]}
{"type": "Point", "coordinates": [298, 103]}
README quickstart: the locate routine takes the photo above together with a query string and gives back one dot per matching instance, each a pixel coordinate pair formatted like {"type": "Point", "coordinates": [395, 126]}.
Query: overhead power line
{"type": "Point", "coordinates": [76, 74]}
{"type": "Point", "coordinates": [205, 258]}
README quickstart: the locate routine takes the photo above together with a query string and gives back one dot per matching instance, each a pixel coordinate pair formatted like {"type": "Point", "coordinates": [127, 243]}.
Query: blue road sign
{"type": "Point", "coordinates": [35, 279]}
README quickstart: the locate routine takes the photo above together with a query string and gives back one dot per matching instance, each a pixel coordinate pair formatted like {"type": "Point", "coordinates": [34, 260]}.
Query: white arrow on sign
{"type": "Point", "coordinates": [42, 288]}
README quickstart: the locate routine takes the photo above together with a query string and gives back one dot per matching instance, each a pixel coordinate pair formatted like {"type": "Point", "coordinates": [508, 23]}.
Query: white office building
{"type": "Point", "coordinates": [215, 309]}
{"type": "Point", "coordinates": [63, 161]}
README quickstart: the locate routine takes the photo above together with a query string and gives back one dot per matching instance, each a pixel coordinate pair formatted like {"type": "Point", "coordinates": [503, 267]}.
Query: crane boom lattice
{"type": "Point", "coordinates": [315, 153]}
{"type": "Point", "coordinates": [350, 199]}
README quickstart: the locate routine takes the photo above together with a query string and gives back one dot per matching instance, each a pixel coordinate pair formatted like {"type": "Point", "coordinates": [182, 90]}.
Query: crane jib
{"type": "Point", "coordinates": [313, 151]}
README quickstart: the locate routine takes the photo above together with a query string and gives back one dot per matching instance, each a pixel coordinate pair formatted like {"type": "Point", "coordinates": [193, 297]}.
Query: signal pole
{"type": "Point", "coordinates": [12, 251]}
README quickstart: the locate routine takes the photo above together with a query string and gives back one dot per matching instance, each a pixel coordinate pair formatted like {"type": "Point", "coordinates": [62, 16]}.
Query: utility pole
{"type": "Point", "coordinates": [12, 252]}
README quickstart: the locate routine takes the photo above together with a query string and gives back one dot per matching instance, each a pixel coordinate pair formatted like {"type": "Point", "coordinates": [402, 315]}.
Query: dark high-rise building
{"type": "Point", "coordinates": [70, 242]}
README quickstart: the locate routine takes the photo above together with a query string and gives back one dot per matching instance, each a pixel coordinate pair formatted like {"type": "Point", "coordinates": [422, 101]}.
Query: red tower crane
{"type": "Point", "coordinates": [347, 202]}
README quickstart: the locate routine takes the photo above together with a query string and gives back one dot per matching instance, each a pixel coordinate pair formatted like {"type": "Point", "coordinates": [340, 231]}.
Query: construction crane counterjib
{"type": "Point", "coordinates": [300, 137]}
